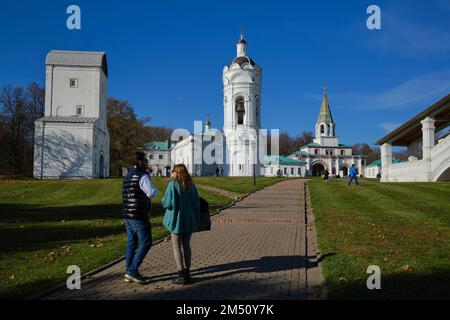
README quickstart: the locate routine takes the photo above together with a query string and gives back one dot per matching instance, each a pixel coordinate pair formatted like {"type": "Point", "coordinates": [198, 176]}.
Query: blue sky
{"type": "Point", "coordinates": [167, 57]}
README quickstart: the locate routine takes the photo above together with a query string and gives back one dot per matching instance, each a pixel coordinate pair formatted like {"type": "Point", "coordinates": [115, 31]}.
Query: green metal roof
{"type": "Point", "coordinates": [321, 146]}
{"type": "Point", "coordinates": [325, 112]}
{"type": "Point", "coordinates": [157, 145]}
{"type": "Point", "coordinates": [282, 160]}
{"type": "Point", "coordinates": [378, 162]}
{"type": "Point", "coordinates": [298, 153]}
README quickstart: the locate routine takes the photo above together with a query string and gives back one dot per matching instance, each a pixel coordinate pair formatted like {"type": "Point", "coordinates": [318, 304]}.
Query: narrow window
{"type": "Point", "coordinates": [80, 111]}
{"type": "Point", "coordinates": [150, 157]}
{"type": "Point", "coordinates": [292, 170]}
{"type": "Point", "coordinates": [299, 171]}
{"type": "Point", "coordinates": [73, 83]}
{"type": "Point", "coordinates": [240, 110]}
{"type": "Point", "coordinates": [160, 157]}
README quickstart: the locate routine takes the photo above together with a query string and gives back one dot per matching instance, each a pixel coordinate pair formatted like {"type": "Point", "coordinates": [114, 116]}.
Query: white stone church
{"type": "Point", "coordinates": [72, 139]}
{"type": "Point", "coordinates": [242, 121]}
{"type": "Point", "coordinates": [326, 153]}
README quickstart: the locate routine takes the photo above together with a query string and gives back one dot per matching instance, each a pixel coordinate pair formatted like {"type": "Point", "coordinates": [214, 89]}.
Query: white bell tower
{"type": "Point", "coordinates": [242, 112]}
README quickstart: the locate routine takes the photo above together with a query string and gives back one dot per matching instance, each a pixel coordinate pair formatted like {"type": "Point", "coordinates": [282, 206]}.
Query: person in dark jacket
{"type": "Point", "coordinates": [137, 192]}
{"type": "Point", "coordinates": [182, 218]}
{"type": "Point", "coordinates": [326, 175]}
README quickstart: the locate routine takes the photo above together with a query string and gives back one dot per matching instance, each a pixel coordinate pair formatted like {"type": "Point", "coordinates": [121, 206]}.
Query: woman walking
{"type": "Point", "coordinates": [182, 218]}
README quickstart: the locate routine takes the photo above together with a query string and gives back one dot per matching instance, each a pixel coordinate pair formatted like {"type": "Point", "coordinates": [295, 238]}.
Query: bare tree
{"type": "Point", "coordinates": [19, 109]}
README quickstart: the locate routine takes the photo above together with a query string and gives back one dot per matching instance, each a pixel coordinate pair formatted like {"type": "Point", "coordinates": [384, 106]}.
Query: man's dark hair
{"type": "Point", "coordinates": [139, 156]}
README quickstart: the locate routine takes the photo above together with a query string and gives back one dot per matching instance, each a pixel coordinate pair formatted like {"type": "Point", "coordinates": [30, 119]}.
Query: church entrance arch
{"type": "Point", "coordinates": [101, 169]}
{"type": "Point", "coordinates": [443, 171]}
{"type": "Point", "coordinates": [318, 169]}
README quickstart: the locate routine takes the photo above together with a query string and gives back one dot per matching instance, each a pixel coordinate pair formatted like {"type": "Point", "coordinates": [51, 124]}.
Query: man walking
{"type": "Point", "coordinates": [353, 175]}
{"type": "Point", "coordinates": [137, 192]}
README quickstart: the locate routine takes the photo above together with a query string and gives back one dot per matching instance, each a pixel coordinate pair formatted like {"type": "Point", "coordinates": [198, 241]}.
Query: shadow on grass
{"type": "Point", "coordinates": [69, 224]}
{"type": "Point", "coordinates": [27, 239]}
{"type": "Point", "coordinates": [401, 285]}
{"type": "Point", "coordinates": [33, 213]}
{"type": "Point", "coordinates": [24, 291]}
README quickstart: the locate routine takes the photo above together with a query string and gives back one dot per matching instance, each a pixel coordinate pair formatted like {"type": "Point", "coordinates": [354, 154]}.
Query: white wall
{"type": "Point", "coordinates": [156, 163]}
{"type": "Point", "coordinates": [372, 171]}
{"type": "Point", "coordinates": [67, 150]}
{"type": "Point", "coordinates": [271, 170]}
{"type": "Point", "coordinates": [62, 100]}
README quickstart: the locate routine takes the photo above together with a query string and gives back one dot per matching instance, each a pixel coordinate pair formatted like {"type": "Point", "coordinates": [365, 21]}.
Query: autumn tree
{"type": "Point", "coordinates": [372, 153]}
{"type": "Point", "coordinates": [290, 144]}
{"type": "Point", "coordinates": [128, 133]}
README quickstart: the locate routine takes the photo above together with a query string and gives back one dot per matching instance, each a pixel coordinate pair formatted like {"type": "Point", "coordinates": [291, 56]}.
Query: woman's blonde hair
{"type": "Point", "coordinates": [182, 176]}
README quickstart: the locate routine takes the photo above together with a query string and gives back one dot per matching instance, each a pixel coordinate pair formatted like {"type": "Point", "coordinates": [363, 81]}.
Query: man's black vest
{"type": "Point", "coordinates": [136, 204]}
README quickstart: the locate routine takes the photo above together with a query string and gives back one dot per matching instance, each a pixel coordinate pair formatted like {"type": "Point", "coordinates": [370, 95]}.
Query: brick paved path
{"type": "Point", "coordinates": [256, 250]}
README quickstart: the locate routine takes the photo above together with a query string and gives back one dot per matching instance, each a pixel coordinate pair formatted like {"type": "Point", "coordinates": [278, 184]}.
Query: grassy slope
{"type": "Point", "coordinates": [47, 225]}
{"type": "Point", "coordinates": [237, 184]}
{"type": "Point", "coordinates": [402, 227]}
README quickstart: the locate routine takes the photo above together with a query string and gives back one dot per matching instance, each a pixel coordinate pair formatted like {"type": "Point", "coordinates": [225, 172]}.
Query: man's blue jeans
{"type": "Point", "coordinates": [351, 179]}
{"type": "Point", "coordinates": [138, 243]}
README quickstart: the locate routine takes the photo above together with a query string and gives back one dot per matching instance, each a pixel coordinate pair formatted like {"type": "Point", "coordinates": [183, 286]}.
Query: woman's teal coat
{"type": "Point", "coordinates": [182, 209]}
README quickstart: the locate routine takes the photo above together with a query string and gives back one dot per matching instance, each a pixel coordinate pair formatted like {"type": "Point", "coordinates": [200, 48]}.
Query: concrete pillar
{"type": "Point", "coordinates": [360, 172]}
{"type": "Point", "coordinates": [386, 160]}
{"type": "Point", "coordinates": [427, 137]}
{"type": "Point", "coordinates": [337, 167]}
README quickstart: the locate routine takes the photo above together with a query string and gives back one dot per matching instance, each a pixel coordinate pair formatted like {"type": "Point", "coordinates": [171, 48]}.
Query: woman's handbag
{"type": "Point", "coordinates": [205, 219]}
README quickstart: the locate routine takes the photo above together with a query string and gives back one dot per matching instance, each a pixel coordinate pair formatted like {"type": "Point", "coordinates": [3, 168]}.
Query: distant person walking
{"type": "Point", "coordinates": [353, 175]}
{"type": "Point", "coordinates": [137, 192]}
{"type": "Point", "coordinates": [217, 171]}
{"type": "Point", "coordinates": [182, 218]}
{"type": "Point", "coordinates": [326, 175]}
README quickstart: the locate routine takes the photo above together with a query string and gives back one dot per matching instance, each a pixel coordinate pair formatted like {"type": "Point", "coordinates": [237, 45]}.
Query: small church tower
{"type": "Point", "coordinates": [325, 127]}
{"type": "Point", "coordinates": [242, 112]}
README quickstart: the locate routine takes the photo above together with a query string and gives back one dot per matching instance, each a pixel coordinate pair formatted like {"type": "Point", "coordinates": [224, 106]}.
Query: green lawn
{"type": "Point", "coordinates": [404, 228]}
{"type": "Point", "coordinates": [237, 184]}
{"type": "Point", "coordinates": [46, 226]}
